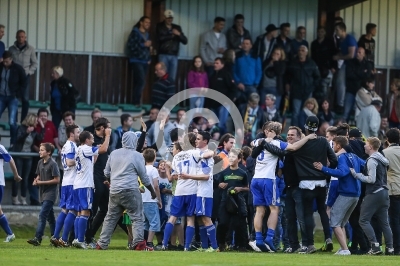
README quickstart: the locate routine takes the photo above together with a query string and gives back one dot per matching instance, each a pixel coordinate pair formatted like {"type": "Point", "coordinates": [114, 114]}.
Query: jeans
{"type": "Point", "coordinates": [131, 201]}
{"type": "Point", "coordinates": [349, 102]}
{"type": "Point", "coordinates": [139, 80]}
{"type": "Point", "coordinates": [11, 103]}
{"type": "Point", "coordinates": [297, 106]}
{"type": "Point", "coordinates": [274, 91]}
{"type": "Point", "coordinates": [394, 219]}
{"type": "Point", "coordinates": [56, 118]}
{"type": "Point", "coordinates": [223, 114]}
{"type": "Point", "coordinates": [295, 212]}
{"type": "Point", "coordinates": [318, 194]}
{"type": "Point", "coordinates": [46, 214]}
{"type": "Point", "coordinates": [376, 204]}
{"type": "Point", "coordinates": [25, 99]}
{"type": "Point", "coordinates": [196, 101]}
{"type": "Point", "coordinates": [341, 85]}
{"type": "Point", "coordinates": [171, 62]}
{"type": "Point", "coordinates": [23, 166]}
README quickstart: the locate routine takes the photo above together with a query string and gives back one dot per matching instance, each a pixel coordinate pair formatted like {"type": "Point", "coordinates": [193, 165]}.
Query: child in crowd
{"type": "Point", "coordinates": [197, 82]}
{"type": "Point", "coordinates": [47, 178]}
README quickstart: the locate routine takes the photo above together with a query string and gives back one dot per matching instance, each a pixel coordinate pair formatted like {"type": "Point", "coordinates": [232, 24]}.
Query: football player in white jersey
{"type": "Point", "coordinates": [263, 186]}
{"type": "Point", "coordinates": [86, 156]}
{"type": "Point", "coordinates": [204, 200]}
{"type": "Point", "coordinates": [184, 165]}
{"type": "Point", "coordinates": [67, 216]}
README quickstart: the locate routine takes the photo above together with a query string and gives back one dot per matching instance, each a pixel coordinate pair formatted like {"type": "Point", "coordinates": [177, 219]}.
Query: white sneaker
{"type": "Point", "coordinates": [74, 242]}
{"type": "Point", "coordinates": [337, 252]}
{"type": "Point", "coordinates": [253, 245]}
{"type": "Point", "coordinates": [81, 245]}
{"type": "Point", "coordinates": [343, 252]}
{"type": "Point", "coordinates": [9, 238]}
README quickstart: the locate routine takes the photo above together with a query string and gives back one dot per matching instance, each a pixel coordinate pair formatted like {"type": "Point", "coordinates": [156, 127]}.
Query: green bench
{"type": "Point", "coordinates": [106, 107]}
{"type": "Point", "coordinates": [8, 176]}
{"type": "Point", "coordinates": [84, 106]}
{"type": "Point", "coordinates": [37, 104]}
{"type": "Point", "coordinates": [130, 108]}
{"type": "Point", "coordinates": [5, 125]}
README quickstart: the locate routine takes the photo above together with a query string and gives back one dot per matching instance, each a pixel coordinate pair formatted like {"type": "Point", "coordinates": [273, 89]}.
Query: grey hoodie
{"type": "Point", "coordinates": [125, 165]}
{"type": "Point", "coordinates": [376, 177]}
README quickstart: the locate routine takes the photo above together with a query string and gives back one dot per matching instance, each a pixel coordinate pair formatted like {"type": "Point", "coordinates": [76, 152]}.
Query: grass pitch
{"type": "Point", "coordinates": [21, 253]}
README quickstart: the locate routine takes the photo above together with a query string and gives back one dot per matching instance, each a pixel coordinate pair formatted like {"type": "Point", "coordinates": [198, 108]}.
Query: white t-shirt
{"type": "Point", "coordinates": [217, 34]}
{"type": "Point", "coordinates": [266, 161]}
{"type": "Point", "coordinates": [167, 198]}
{"type": "Point", "coordinates": [205, 187]}
{"type": "Point", "coordinates": [152, 174]}
{"type": "Point", "coordinates": [68, 152]}
{"type": "Point", "coordinates": [84, 166]}
{"type": "Point", "coordinates": [4, 157]}
{"type": "Point", "coordinates": [186, 162]}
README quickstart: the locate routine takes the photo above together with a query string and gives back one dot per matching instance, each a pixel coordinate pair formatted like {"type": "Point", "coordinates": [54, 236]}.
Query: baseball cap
{"type": "Point", "coordinates": [270, 28]}
{"type": "Point", "coordinates": [355, 133]}
{"type": "Point", "coordinates": [312, 123]}
{"type": "Point", "coordinates": [169, 13]}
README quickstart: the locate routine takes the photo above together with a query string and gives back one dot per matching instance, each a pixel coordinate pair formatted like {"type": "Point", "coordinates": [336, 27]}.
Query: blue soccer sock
{"type": "Point", "coordinates": [259, 238]}
{"type": "Point", "coordinates": [68, 223]}
{"type": "Point", "coordinates": [169, 227]}
{"type": "Point", "coordinates": [59, 224]}
{"type": "Point", "coordinates": [270, 234]}
{"type": "Point", "coordinates": [4, 224]}
{"type": "Point", "coordinates": [82, 227]}
{"type": "Point", "coordinates": [330, 232]}
{"type": "Point", "coordinates": [76, 226]}
{"type": "Point", "coordinates": [203, 237]}
{"type": "Point", "coordinates": [212, 235]}
{"type": "Point", "coordinates": [189, 236]}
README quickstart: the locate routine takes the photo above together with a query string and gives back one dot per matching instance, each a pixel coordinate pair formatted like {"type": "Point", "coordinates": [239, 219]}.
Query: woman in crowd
{"type": "Point", "coordinates": [393, 104]}
{"type": "Point", "coordinates": [26, 136]}
{"type": "Point", "coordinates": [310, 108]}
{"type": "Point", "coordinates": [326, 115]}
{"type": "Point", "coordinates": [229, 57]}
{"type": "Point", "coordinates": [63, 96]}
{"type": "Point", "coordinates": [366, 95]}
{"type": "Point", "coordinates": [273, 76]}
{"type": "Point", "coordinates": [197, 83]}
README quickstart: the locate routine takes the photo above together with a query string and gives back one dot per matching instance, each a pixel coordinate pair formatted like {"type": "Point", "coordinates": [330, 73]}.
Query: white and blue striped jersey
{"type": "Point", "coordinates": [68, 152]}
{"type": "Point", "coordinates": [266, 161]}
{"type": "Point", "coordinates": [84, 166]}
{"type": "Point", "coordinates": [205, 187]}
{"type": "Point", "coordinates": [186, 162]}
{"type": "Point", "coordinates": [4, 157]}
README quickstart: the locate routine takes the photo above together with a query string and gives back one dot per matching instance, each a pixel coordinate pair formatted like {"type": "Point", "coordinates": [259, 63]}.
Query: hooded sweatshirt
{"type": "Point", "coordinates": [348, 185]}
{"type": "Point", "coordinates": [375, 174]}
{"type": "Point", "coordinates": [125, 165]}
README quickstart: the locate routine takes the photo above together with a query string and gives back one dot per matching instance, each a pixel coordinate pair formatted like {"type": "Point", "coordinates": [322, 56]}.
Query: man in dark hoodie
{"type": "Point", "coordinates": [376, 200]}
{"type": "Point", "coordinates": [237, 33]}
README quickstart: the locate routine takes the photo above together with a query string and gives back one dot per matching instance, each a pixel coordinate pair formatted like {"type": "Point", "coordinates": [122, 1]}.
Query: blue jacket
{"type": "Point", "coordinates": [348, 185]}
{"type": "Point", "coordinates": [119, 132]}
{"type": "Point", "coordinates": [247, 69]}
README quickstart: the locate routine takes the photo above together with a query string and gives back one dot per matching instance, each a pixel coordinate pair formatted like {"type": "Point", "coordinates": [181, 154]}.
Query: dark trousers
{"type": "Point", "coordinates": [139, 79]}
{"type": "Point", "coordinates": [227, 223]}
{"type": "Point", "coordinates": [394, 219]}
{"type": "Point", "coordinates": [359, 238]}
{"type": "Point", "coordinates": [318, 194]}
{"type": "Point", "coordinates": [25, 99]}
{"type": "Point", "coordinates": [295, 213]}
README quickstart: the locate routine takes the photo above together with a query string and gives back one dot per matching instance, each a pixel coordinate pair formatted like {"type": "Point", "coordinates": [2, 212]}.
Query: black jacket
{"type": "Point", "coordinates": [356, 73]}
{"type": "Point", "coordinates": [278, 70]}
{"type": "Point", "coordinates": [285, 46]}
{"type": "Point", "coordinates": [22, 135]}
{"type": "Point", "coordinates": [17, 79]}
{"type": "Point", "coordinates": [322, 54]}
{"type": "Point", "coordinates": [222, 82]}
{"type": "Point", "coordinates": [259, 49]}
{"type": "Point", "coordinates": [68, 95]}
{"type": "Point", "coordinates": [234, 39]}
{"type": "Point", "coordinates": [168, 43]}
{"type": "Point", "coordinates": [303, 78]}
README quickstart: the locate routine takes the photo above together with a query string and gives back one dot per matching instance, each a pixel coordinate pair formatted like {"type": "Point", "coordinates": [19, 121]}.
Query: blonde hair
{"type": "Point", "coordinates": [30, 120]}
{"type": "Point", "coordinates": [283, 54]}
{"type": "Point", "coordinates": [59, 70]}
{"type": "Point", "coordinates": [374, 142]}
{"type": "Point", "coordinates": [314, 102]}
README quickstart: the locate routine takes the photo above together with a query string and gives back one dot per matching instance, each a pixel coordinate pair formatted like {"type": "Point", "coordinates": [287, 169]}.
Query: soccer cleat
{"type": "Point", "coordinates": [141, 246]}
{"type": "Point", "coordinates": [328, 246]}
{"type": "Point", "coordinates": [389, 251]}
{"type": "Point", "coordinates": [337, 252]}
{"type": "Point", "coordinates": [210, 250]}
{"type": "Point", "coordinates": [303, 250]}
{"type": "Point", "coordinates": [186, 249]}
{"type": "Point", "coordinates": [292, 250]}
{"type": "Point", "coordinates": [375, 249]}
{"type": "Point", "coordinates": [270, 244]}
{"type": "Point", "coordinates": [9, 238]}
{"type": "Point", "coordinates": [149, 246]}
{"type": "Point", "coordinates": [343, 252]}
{"type": "Point", "coordinates": [34, 241]}
{"type": "Point", "coordinates": [201, 250]}
{"type": "Point", "coordinates": [311, 249]}
{"type": "Point", "coordinates": [253, 245]}
{"type": "Point", "coordinates": [263, 247]}
{"type": "Point", "coordinates": [164, 248]}
{"type": "Point", "coordinates": [81, 245]}
{"type": "Point", "coordinates": [74, 242]}
{"type": "Point", "coordinates": [54, 241]}
{"type": "Point", "coordinates": [62, 243]}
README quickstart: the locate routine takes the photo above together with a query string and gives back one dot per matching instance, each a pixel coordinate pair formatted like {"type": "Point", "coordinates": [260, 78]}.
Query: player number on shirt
{"type": "Point", "coordinates": [261, 156]}
{"type": "Point", "coordinates": [64, 161]}
{"type": "Point", "coordinates": [185, 164]}
{"type": "Point", "coordinates": [78, 164]}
